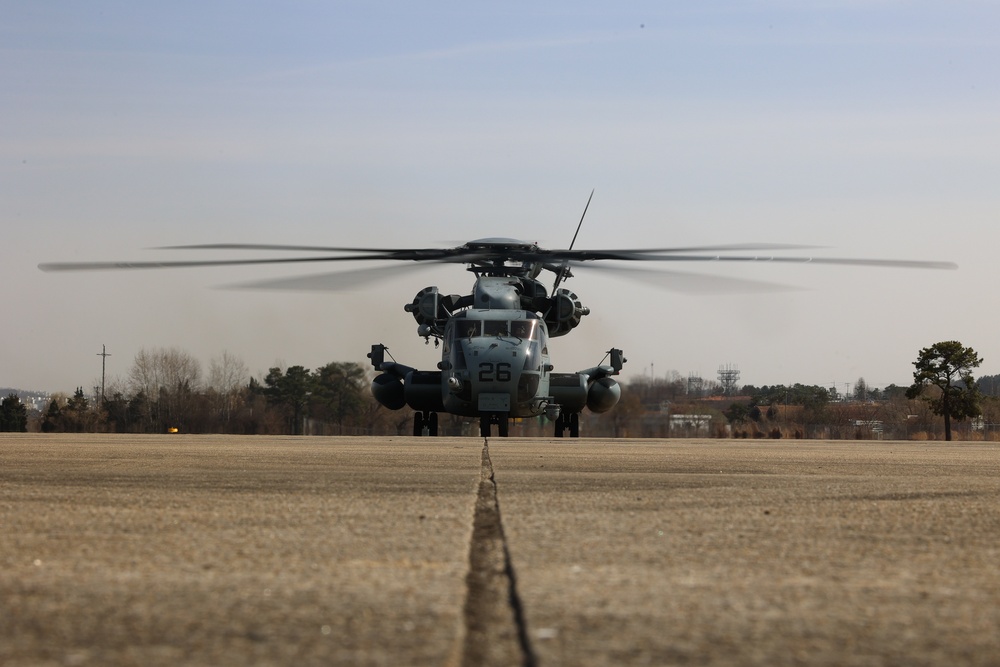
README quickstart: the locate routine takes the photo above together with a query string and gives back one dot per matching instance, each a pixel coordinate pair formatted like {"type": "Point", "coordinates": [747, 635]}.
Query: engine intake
{"type": "Point", "coordinates": [565, 312]}
{"type": "Point", "coordinates": [426, 306]}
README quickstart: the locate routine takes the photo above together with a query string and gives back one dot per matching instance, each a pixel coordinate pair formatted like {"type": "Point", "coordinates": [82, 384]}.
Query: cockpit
{"type": "Point", "coordinates": [526, 334]}
{"type": "Point", "coordinates": [523, 329]}
{"type": "Point", "coordinates": [489, 355]}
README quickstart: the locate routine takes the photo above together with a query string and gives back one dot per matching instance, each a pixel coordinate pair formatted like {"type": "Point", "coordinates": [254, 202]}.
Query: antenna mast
{"type": "Point", "coordinates": [564, 271]}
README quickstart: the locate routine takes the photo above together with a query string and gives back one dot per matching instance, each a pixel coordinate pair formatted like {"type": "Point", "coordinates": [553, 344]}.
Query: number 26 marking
{"type": "Point", "coordinates": [490, 372]}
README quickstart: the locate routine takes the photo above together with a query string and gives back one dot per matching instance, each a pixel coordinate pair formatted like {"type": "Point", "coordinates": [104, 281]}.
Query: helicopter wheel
{"type": "Point", "coordinates": [560, 425]}
{"type": "Point", "coordinates": [574, 425]}
{"type": "Point", "coordinates": [487, 419]}
{"type": "Point", "coordinates": [422, 420]}
{"type": "Point", "coordinates": [503, 425]}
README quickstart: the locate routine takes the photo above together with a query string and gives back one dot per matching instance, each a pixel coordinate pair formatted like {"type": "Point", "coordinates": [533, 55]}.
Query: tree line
{"type": "Point", "coordinates": [165, 391]}
{"type": "Point", "coordinates": [943, 390]}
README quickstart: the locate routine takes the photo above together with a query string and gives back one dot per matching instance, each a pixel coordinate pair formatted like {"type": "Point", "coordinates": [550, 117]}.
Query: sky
{"type": "Point", "coordinates": [868, 128]}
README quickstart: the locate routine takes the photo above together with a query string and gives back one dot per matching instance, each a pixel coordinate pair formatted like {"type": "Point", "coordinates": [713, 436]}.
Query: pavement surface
{"type": "Point", "coordinates": [223, 550]}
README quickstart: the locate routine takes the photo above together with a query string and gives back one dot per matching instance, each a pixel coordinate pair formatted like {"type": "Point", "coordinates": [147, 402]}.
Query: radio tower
{"type": "Point", "coordinates": [729, 375]}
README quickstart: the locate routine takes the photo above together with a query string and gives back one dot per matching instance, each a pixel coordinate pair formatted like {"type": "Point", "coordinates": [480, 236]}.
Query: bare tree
{"type": "Point", "coordinates": [168, 379]}
{"type": "Point", "coordinates": [228, 377]}
{"type": "Point", "coordinates": [227, 373]}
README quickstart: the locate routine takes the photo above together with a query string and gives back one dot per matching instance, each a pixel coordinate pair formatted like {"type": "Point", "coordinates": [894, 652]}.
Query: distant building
{"type": "Point", "coordinates": [32, 400]}
{"type": "Point", "coordinates": [690, 426]}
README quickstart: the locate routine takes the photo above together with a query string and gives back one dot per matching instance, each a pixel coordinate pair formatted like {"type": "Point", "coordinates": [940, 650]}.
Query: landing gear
{"type": "Point", "coordinates": [486, 419]}
{"type": "Point", "coordinates": [422, 420]}
{"type": "Point", "coordinates": [568, 421]}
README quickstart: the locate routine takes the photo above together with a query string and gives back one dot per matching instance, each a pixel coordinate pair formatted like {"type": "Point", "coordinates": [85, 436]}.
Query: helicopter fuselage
{"type": "Point", "coordinates": [495, 361]}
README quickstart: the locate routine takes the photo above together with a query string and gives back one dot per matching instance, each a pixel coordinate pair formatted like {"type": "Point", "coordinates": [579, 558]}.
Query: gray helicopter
{"type": "Point", "coordinates": [495, 361]}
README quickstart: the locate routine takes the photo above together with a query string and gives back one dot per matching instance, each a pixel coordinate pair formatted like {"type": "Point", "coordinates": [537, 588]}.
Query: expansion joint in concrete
{"type": "Point", "coordinates": [494, 624]}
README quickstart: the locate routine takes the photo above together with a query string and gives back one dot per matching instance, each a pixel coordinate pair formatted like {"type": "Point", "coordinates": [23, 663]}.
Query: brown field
{"type": "Point", "coordinates": [120, 550]}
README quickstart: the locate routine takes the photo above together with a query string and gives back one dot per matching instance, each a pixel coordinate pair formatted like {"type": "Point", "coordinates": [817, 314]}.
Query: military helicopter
{"type": "Point", "coordinates": [495, 360]}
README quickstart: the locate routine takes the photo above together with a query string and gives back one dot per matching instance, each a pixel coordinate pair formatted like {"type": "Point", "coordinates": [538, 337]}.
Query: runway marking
{"type": "Point", "coordinates": [495, 630]}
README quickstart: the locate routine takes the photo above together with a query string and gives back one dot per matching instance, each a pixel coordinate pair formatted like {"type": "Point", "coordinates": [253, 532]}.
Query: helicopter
{"type": "Point", "coordinates": [495, 360]}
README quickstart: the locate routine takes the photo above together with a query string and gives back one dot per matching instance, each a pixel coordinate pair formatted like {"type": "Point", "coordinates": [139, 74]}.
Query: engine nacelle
{"type": "Point", "coordinates": [564, 313]}
{"type": "Point", "coordinates": [603, 395]}
{"type": "Point", "coordinates": [422, 390]}
{"type": "Point", "coordinates": [427, 310]}
{"type": "Point", "coordinates": [388, 390]}
{"type": "Point", "coordinates": [569, 391]}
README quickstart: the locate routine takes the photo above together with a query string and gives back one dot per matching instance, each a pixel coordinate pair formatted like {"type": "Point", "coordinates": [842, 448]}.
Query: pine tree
{"type": "Point", "coordinates": [948, 367]}
{"type": "Point", "coordinates": [13, 414]}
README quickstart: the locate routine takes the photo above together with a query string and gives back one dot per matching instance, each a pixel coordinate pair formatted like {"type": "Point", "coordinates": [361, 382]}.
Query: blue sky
{"type": "Point", "coordinates": [869, 128]}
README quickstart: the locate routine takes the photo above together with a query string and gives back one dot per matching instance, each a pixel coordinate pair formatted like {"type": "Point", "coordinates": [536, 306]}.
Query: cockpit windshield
{"type": "Point", "coordinates": [468, 328]}
{"type": "Point", "coordinates": [496, 328]}
{"type": "Point", "coordinates": [526, 329]}
{"type": "Point", "coordinates": [523, 329]}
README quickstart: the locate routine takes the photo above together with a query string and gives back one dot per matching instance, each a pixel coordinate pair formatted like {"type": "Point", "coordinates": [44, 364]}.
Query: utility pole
{"type": "Point", "coordinates": [103, 354]}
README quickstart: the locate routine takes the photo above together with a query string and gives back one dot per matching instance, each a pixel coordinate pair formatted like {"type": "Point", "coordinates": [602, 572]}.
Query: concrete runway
{"type": "Point", "coordinates": [121, 550]}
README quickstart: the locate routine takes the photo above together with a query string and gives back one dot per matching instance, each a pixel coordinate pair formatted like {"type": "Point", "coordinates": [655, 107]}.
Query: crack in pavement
{"type": "Point", "coordinates": [495, 630]}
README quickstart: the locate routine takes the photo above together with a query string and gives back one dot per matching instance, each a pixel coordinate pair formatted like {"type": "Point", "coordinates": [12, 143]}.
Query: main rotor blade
{"type": "Point", "coordinates": [486, 254]}
{"type": "Point", "coordinates": [839, 261]}
{"type": "Point", "coordinates": [106, 266]}
{"type": "Point", "coordinates": [684, 282]}
{"type": "Point", "coordinates": [334, 281]}
{"type": "Point", "coordinates": [454, 256]}
{"type": "Point", "coordinates": [281, 247]}
{"type": "Point", "coordinates": [726, 247]}
{"type": "Point", "coordinates": [407, 252]}
{"type": "Point", "coordinates": [628, 254]}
